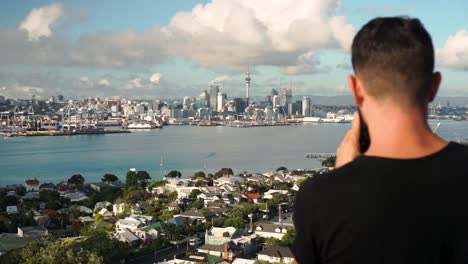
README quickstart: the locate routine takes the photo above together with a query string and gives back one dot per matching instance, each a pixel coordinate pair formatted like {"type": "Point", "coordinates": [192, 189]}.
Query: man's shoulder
{"type": "Point", "coordinates": [330, 179]}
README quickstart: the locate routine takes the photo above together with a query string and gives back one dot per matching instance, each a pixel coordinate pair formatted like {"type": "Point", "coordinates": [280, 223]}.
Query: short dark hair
{"type": "Point", "coordinates": [394, 57]}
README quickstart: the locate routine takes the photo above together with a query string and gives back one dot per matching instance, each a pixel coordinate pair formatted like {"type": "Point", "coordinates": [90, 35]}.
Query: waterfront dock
{"type": "Point", "coordinates": [62, 133]}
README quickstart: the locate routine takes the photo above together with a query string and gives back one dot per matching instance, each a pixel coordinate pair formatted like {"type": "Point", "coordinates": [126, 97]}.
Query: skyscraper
{"type": "Point", "coordinates": [204, 99]}
{"type": "Point", "coordinates": [276, 101]}
{"type": "Point", "coordinates": [221, 101]}
{"type": "Point", "coordinates": [239, 105]}
{"type": "Point", "coordinates": [214, 90]}
{"type": "Point", "coordinates": [306, 106]}
{"type": "Point", "coordinates": [247, 86]}
{"type": "Point", "coordinates": [286, 97]}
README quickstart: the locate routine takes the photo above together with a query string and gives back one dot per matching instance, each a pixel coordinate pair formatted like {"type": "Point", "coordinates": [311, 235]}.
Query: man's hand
{"type": "Point", "coordinates": [349, 147]}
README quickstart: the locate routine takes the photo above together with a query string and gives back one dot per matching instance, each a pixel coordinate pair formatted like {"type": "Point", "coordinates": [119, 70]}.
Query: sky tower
{"type": "Point", "coordinates": [247, 86]}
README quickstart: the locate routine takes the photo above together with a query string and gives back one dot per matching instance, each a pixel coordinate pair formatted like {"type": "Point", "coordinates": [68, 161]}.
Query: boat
{"type": "Point", "coordinates": [145, 125]}
{"type": "Point", "coordinates": [139, 126]}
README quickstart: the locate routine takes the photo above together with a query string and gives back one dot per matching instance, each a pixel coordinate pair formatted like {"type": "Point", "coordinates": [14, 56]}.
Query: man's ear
{"type": "Point", "coordinates": [436, 80]}
{"type": "Point", "coordinates": [356, 89]}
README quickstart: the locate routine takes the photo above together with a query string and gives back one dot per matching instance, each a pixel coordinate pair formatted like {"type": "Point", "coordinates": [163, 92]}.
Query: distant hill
{"type": "Point", "coordinates": [348, 100]}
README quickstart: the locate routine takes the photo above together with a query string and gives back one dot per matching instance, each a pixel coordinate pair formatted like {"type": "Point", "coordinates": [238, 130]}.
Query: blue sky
{"type": "Point", "coordinates": [151, 49]}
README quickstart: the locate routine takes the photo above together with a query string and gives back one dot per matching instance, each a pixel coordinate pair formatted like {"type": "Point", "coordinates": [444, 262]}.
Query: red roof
{"type": "Point", "coordinates": [65, 189]}
{"type": "Point", "coordinates": [32, 182]}
{"type": "Point", "coordinates": [252, 196]}
{"type": "Point", "coordinates": [50, 212]}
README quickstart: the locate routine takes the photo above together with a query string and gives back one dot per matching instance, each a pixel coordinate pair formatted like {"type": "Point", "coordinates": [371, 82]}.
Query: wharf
{"type": "Point", "coordinates": [62, 133]}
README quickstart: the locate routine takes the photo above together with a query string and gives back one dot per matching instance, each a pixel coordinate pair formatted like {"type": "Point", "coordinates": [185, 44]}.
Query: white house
{"type": "Point", "coordinates": [276, 254]}
{"type": "Point", "coordinates": [267, 230]}
{"type": "Point", "coordinates": [118, 208]}
{"type": "Point", "coordinates": [13, 209]}
{"type": "Point", "coordinates": [32, 185]}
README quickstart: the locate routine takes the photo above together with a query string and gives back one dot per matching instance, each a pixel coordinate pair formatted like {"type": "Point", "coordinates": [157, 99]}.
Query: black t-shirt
{"type": "Point", "coordinates": [381, 210]}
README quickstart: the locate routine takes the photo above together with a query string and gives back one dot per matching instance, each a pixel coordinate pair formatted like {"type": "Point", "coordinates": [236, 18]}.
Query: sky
{"type": "Point", "coordinates": [149, 49]}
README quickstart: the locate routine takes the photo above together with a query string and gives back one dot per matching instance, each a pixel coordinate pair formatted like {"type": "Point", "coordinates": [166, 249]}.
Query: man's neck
{"type": "Point", "coordinates": [400, 134]}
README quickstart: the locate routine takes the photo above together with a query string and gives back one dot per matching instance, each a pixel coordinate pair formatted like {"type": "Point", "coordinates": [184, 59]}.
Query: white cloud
{"type": "Point", "coordinates": [233, 33]}
{"type": "Point", "coordinates": [454, 54]}
{"type": "Point", "coordinates": [307, 63]}
{"type": "Point", "coordinates": [220, 79]}
{"type": "Point", "coordinates": [155, 77]}
{"type": "Point", "coordinates": [84, 79]}
{"type": "Point", "coordinates": [104, 82]}
{"type": "Point", "coordinates": [223, 33]}
{"type": "Point", "coordinates": [40, 21]}
{"type": "Point", "coordinates": [136, 83]}
{"type": "Point", "coordinates": [21, 91]}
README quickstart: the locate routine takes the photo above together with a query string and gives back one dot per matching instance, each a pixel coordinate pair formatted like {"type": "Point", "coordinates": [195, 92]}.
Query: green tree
{"type": "Point", "coordinates": [157, 183]}
{"type": "Point", "coordinates": [109, 178]}
{"type": "Point", "coordinates": [222, 172]}
{"type": "Point", "coordinates": [143, 176]}
{"type": "Point", "coordinates": [174, 174]}
{"type": "Point", "coordinates": [198, 204]}
{"type": "Point", "coordinates": [194, 193]}
{"type": "Point", "coordinates": [282, 168]}
{"type": "Point", "coordinates": [237, 222]}
{"type": "Point", "coordinates": [76, 180]}
{"type": "Point", "coordinates": [329, 162]}
{"type": "Point", "coordinates": [289, 238]}
{"type": "Point", "coordinates": [136, 196]}
{"type": "Point", "coordinates": [131, 181]}
{"type": "Point", "coordinates": [166, 215]}
{"type": "Point", "coordinates": [98, 218]}
{"type": "Point", "coordinates": [56, 253]}
{"type": "Point", "coordinates": [99, 242]}
{"type": "Point", "coordinates": [271, 241]}
{"type": "Point", "coordinates": [199, 175]}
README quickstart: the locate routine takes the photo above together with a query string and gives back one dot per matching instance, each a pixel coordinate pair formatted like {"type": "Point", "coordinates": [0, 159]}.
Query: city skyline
{"type": "Point", "coordinates": [170, 50]}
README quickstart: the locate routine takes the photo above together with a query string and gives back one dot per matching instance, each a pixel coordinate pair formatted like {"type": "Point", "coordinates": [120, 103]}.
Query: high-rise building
{"type": "Point", "coordinates": [187, 102]}
{"type": "Point", "coordinates": [139, 109]}
{"type": "Point", "coordinates": [247, 87]}
{"type": "Point", "coordinates": [306, 106]}
{"type": "Point", "coordinates": [294, 108]}
{"type": "Point", "coordinates": [2, 99]}
{"type": "Point", "coordinates": [276, 101]}
{"type": "Point", "coordinates": [60, 98]}
{"type": "Point", "coordinates": [214, 90]}
{"type": "Point", "coordinates": [239, 105]}
{"type": "Point", "coordinates": [286, 96]}
{"type": "Point", "coordinates": [204, 98]}
{"type": "Point", "coordinates": [221, 101]}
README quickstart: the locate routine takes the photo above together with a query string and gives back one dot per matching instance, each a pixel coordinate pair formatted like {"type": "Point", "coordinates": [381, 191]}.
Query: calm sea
{"type": "Point", "coordinates": [184, 148]}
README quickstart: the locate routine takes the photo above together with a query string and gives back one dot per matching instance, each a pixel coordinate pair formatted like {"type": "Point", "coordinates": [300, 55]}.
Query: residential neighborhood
{"type": "Point", "coordinates": [202, 218]}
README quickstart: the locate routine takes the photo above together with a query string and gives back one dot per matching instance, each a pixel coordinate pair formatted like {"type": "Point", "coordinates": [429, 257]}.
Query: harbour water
{"type": "Point", "coordinates": [184, 148]}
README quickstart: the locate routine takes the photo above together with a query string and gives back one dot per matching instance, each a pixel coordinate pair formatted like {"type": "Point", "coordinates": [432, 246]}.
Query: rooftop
{"type": "Point", "coordinates": [278, 252]}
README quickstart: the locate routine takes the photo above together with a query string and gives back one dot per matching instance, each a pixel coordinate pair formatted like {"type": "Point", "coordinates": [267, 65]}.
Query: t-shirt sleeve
{"type": "Point", "coordinates": [306, 222]}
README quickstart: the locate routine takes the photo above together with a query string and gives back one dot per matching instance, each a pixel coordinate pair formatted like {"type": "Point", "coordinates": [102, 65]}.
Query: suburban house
{"type": "Point", "coordinates": [232, 180]}
{"type": "Point", "coordinates": [128, 237]}
{"type": "Point", "coordinates": [252, 196]}
{"type": "Point", "coordinates": [201, 215]}
{"type": "Point", "coordinates": [228, 243]}
{"type": "Point", "coordinates": [118, 208]}
{"type": "Point", "coordinates": [275, 254]}
{"type": "Point", "coordinates": [267, 230]}
{"type": "Point", "coordinates": [136, 229]}
{"type": "Point", "coordinates": [105, 213]}
{"type": "Point", "coordinates": [99, 205]}
{"type": "Point", "coordinates": [32, 231]}
{"type": "Point", "coordinates": [12, 209]}
{"type": "Point", "coordinates": [32, 185]}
